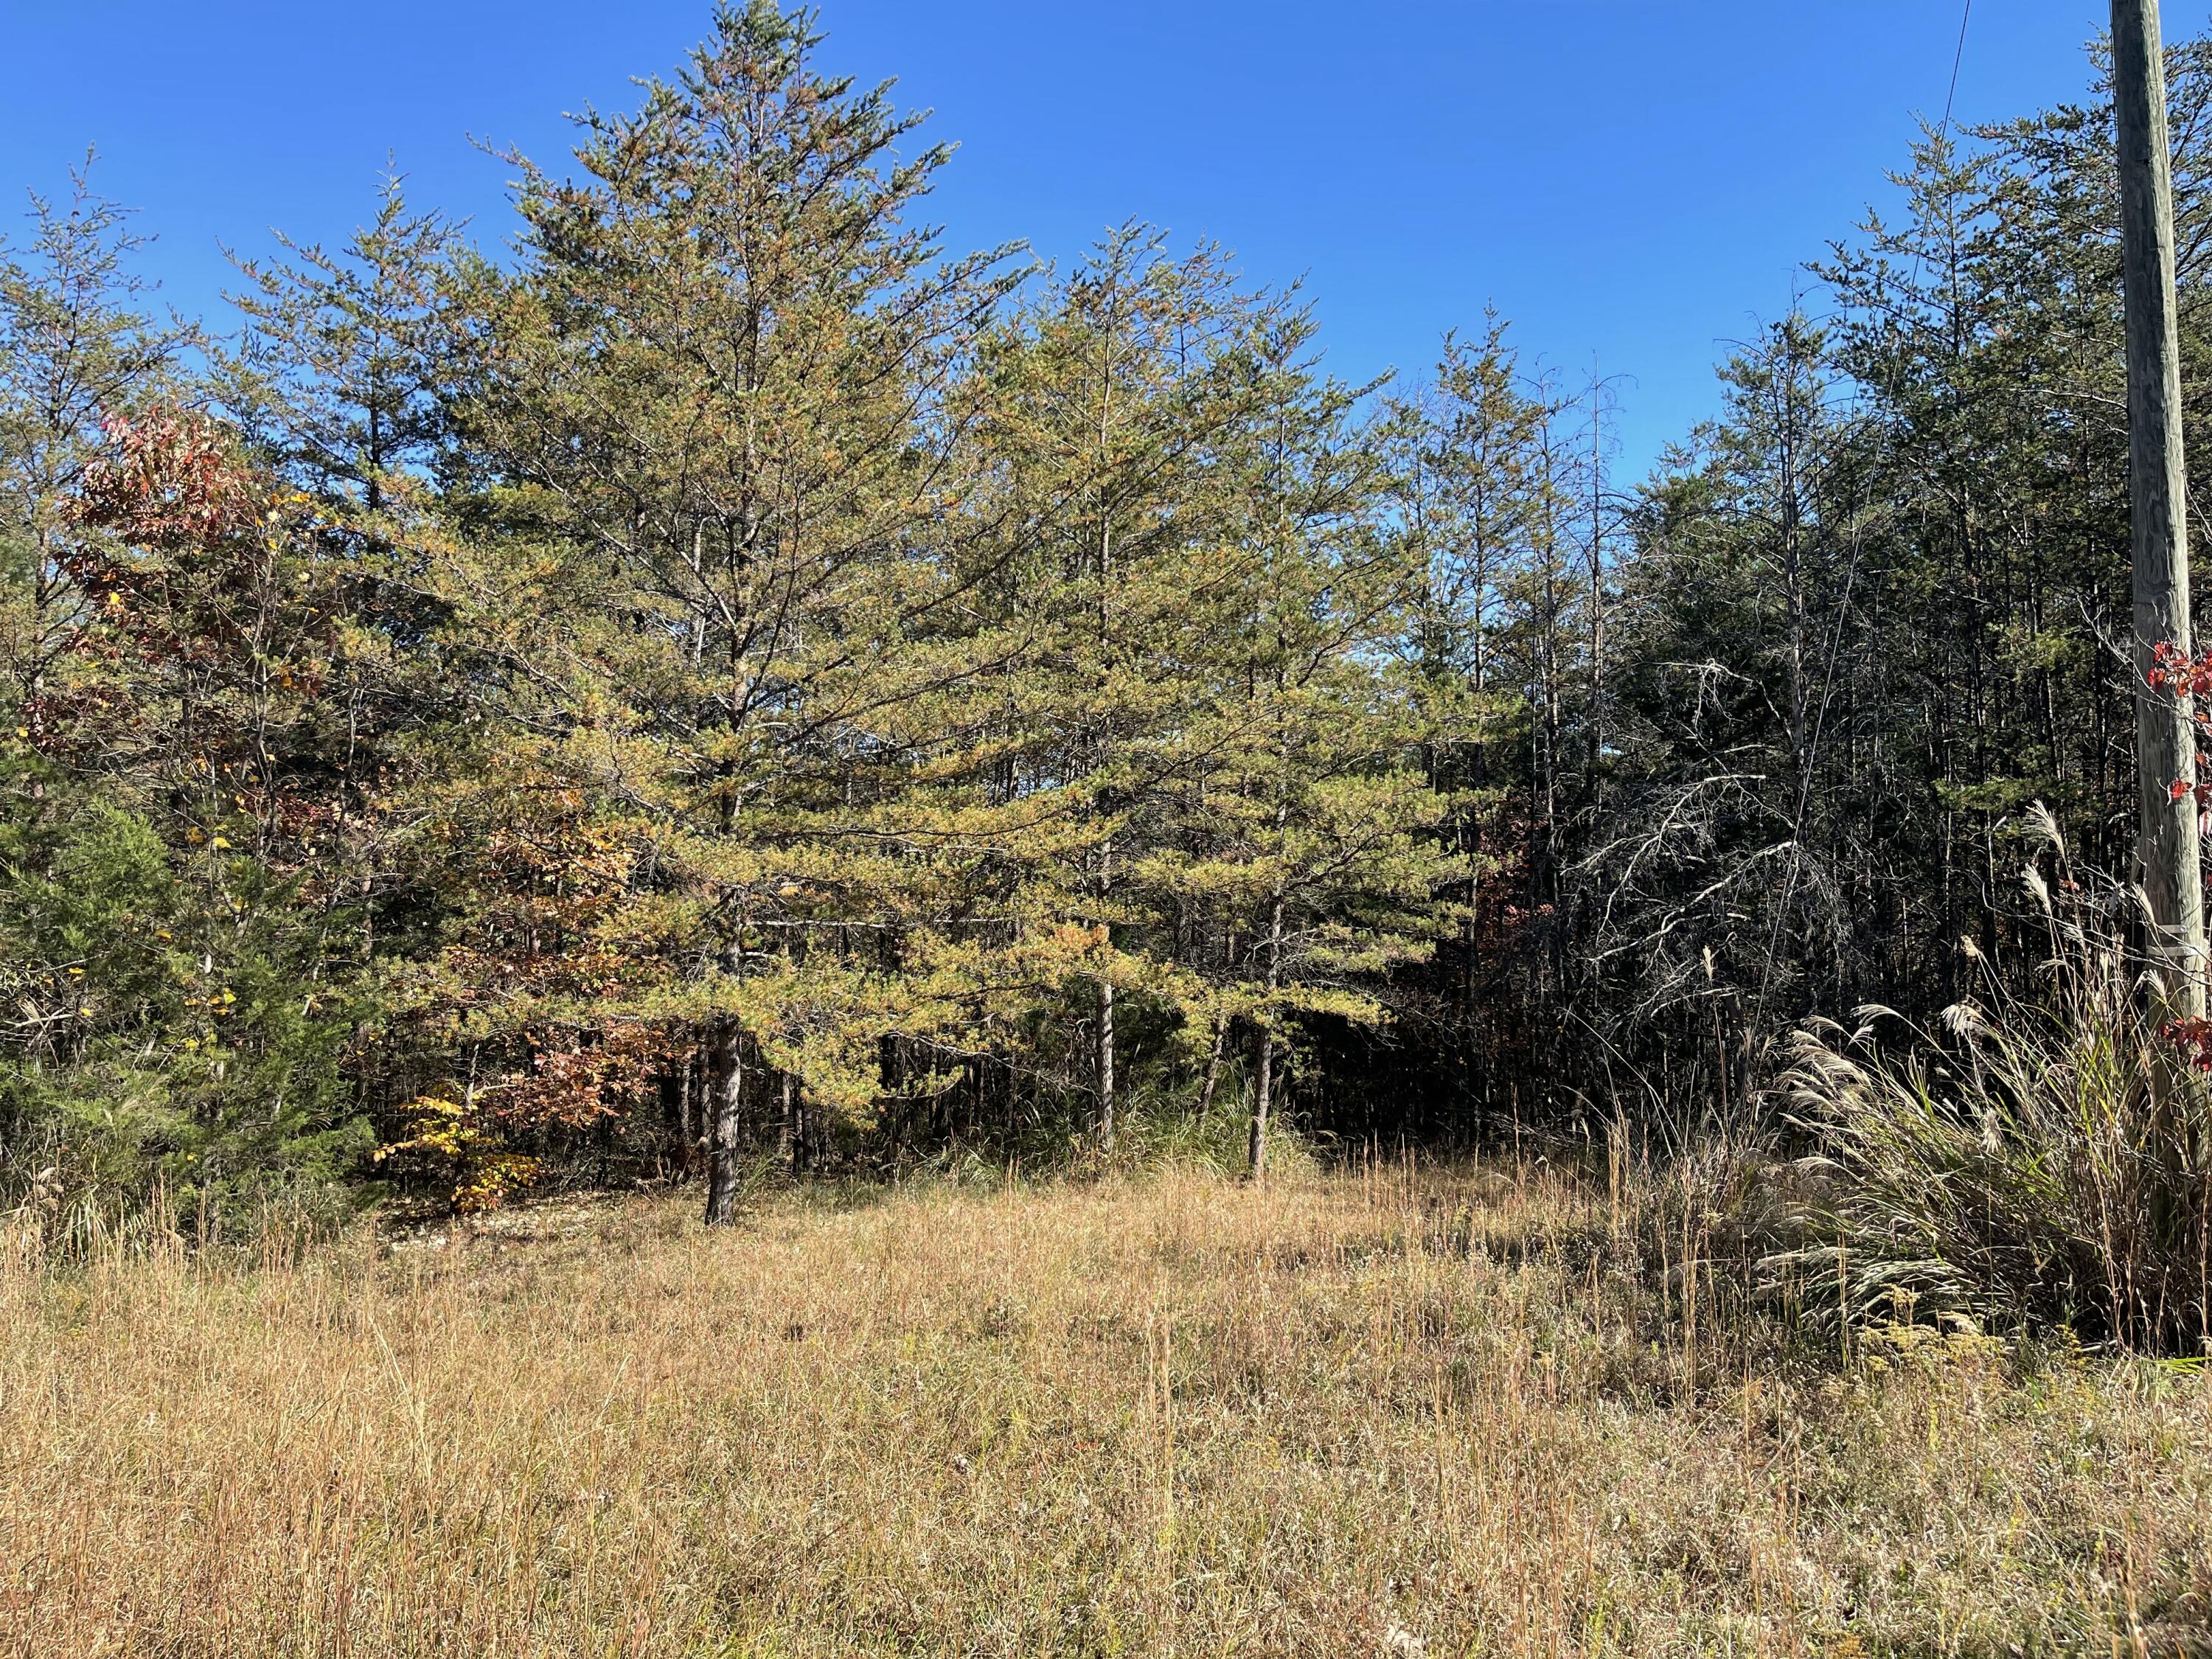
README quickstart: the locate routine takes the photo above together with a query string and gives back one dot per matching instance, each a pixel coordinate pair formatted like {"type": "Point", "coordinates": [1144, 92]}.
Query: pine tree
{"type": "Point", "coordinates": [338, 372]}
{"type": "Point", "coordinates": [77, 345]}
{"type": "Point", "coordinates": [714, 392]}
{"type": "Point", "coordinates": [1315, 849]}
{"type": "Point", "coordinates": [1100, 412]}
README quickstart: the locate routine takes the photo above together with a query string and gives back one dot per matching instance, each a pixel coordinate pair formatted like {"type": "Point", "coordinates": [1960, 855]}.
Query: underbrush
{"type": "Point", "coordinates": [1497, 1409]}
{"type": "Point", "coordinates": [2043, 1163]}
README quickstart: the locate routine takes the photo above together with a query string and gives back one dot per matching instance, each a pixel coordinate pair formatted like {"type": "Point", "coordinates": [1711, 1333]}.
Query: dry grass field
{"type": "Point", "coordinates": [1439, 1413]}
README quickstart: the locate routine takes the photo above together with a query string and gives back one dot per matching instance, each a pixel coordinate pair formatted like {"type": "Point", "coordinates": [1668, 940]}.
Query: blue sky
{"type": "Point", "coordinates": [1632, 182]}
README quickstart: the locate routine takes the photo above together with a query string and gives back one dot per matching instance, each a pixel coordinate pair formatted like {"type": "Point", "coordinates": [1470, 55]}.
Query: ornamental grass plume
{"type": "Point", "coordinates": [2039, 1162]}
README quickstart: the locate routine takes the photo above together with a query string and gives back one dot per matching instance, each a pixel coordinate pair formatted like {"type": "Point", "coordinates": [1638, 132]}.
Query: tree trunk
{"type": "Point", "coordinates": [1105, 1059]}
{"type": "Point", "coordinates": [724, 1093]}
{"type": "Point", "coordinates": [1264, 1078]}
{"type": "Point", "coordinates": [1597, 591]}
{"type": "Point", "coordinates": [674, 1082]}
{"type": "Point", "coordinates": [787, 1133]}
{"type": "Point", "coordinates": [1213, 1065]}
{"type": "Point", "coordinates": [1106, 1065]}
{"type": "Point", "coordinates": [1263, 1081]}
{"type": "Point", "coordinates": [1105, 1051]}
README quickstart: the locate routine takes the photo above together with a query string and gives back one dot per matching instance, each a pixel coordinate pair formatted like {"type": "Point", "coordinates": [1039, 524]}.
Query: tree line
{"type": "Point", "coordinates": [733, 683]}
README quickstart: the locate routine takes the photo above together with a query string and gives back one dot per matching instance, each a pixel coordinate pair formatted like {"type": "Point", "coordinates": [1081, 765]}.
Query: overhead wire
{"type": "Point", "coordinates": [1957, 57]}
{"type": "Point", "coordinates": [1851, 585]}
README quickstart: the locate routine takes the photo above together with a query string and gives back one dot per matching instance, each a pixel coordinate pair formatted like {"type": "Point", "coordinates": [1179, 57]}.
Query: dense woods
{"type": "Point", "coordinates": [729, 683]}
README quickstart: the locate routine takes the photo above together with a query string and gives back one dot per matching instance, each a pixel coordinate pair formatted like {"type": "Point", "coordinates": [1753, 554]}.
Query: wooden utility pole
{"type": "Point", "coordinates": [2165, 750]}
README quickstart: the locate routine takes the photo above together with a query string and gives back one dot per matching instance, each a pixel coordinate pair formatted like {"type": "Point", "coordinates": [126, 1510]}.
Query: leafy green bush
{"type": "Point", "coordinates": [164, 1029]}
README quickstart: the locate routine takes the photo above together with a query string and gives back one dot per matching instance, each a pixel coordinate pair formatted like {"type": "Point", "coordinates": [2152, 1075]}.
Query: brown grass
{"type": "Point", "coordinates": [1436, 1414]}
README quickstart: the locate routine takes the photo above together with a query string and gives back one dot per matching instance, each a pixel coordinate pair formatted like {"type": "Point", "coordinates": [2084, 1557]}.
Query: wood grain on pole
{"type": "Point", "coordinates": [2165, 746]}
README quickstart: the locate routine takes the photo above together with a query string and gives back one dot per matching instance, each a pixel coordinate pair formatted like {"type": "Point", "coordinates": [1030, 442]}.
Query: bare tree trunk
{"type": "Point", "coordinates": [1213, 1065]}
{"type": "Point", "coordinates": [1264, 1078]}
{"type": "Point", "coordinates": [1106, 1065]}
{"type": "Point", "coordinates": [1597, 589]}
{"type": "Point", "coordinates": [726, 1079]}
{"type": "Point", "coordinates": [787, 1133]}
{"type": "Point", "coordinates": [1104, 1033]}
{"type": "Point", "coordinates": [1105, 1057]}
{"type": "Point", "coordinates": [1793, 579]}
{"type": "Point", "coordinates": [687, 1105]}
{"type": "Point", "coordinates": [675, 1080]}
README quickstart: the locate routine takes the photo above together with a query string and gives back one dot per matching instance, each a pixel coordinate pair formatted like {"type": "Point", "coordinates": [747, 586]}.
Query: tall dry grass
{"type": "Point", "coordinates": [1388, 1413]}
{"type": "Point", "coordinates": [2044, 1161]}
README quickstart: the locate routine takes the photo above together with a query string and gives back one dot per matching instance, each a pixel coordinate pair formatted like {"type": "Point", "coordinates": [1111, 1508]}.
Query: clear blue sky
{"type": "Point", "coordinates": [1632, 181]}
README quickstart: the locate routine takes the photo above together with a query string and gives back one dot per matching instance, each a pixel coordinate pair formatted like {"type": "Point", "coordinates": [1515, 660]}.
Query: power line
{"type": "Point", "coordinates": [1957, 57]}
{"type": "Point", "coordinates": [1843, 614]}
